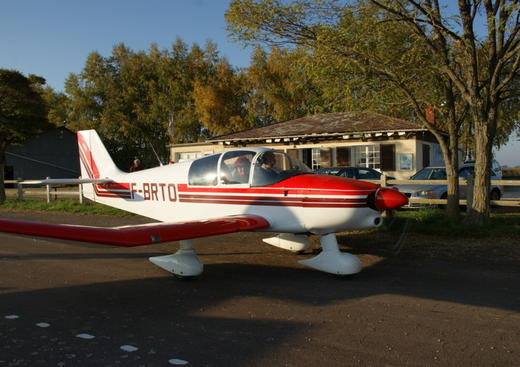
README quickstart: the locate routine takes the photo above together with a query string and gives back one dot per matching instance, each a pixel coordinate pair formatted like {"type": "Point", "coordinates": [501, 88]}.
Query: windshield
{"type": "Point", "coordinates": [328, 171]}
{"type": "Point", "coordinates": [430, 174]}
{"type": "Point", "coordinates": [272, 166]}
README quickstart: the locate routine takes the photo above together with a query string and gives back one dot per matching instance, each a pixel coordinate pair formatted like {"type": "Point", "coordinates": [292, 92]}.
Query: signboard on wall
{"type": "Point", "coordinates": [405, 161]}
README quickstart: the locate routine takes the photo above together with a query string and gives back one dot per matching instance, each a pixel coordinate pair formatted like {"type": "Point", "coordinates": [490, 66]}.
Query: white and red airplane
{"type": "Point", "coordinates": [247, 189]}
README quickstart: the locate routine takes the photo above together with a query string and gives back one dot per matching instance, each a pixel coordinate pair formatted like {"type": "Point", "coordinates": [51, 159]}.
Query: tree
{"type": "Point", "coordinates": [219, 101]}
{"type": "Point", "coordinates": [281, 86]}
{"type": "Point", "coordinates": [475, 80]}
{"type": "Point", "coordinates": [57, 105]}
{"type": "Point", "coordinates": [132, 97]}
{"type": "Point", "coordinates": [22, 112]}
{"type": "Point", "coordinates": [483, 68]}
{"type": "Point", "coordinates": [361, 59]}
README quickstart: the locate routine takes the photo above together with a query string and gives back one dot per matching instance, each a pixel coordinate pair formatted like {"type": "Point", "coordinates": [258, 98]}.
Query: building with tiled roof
{"type": "Point", "coordinates": [396, 146]}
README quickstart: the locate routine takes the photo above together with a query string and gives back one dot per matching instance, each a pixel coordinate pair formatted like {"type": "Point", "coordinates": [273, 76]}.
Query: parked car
{"type": "Point", "coordinates": [441, 191]}
{"type": "Point", "coordinates": [357, 173]}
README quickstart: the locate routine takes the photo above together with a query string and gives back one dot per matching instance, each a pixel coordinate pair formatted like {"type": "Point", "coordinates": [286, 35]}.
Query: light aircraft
{"type": "Point", "coordinates": [245, 189]}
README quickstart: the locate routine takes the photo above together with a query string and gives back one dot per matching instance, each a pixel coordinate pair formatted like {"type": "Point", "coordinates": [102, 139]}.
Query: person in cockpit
{"type": "Point", "coordinates": [267, 161]}
{"type": "Point", "coordinates": [240, 172]}
{"type": "Point", "coordinates": [266, 171]}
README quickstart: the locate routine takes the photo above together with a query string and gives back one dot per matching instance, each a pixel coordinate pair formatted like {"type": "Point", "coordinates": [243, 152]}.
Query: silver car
{"type": "Point", "coordinates": [441, 191]}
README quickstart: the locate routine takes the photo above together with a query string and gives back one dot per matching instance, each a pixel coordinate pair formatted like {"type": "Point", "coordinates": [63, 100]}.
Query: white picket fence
{"type": "Point", "coordinates": [23, 189]}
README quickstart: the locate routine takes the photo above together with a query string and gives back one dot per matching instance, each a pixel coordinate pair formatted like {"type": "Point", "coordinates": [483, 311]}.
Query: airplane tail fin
{"type": "Point", "coordinates": [95, 161]}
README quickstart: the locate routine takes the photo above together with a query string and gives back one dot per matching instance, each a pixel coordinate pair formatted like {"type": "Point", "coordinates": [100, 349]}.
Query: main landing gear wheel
{"type": "Point", "coordinates": [184, 264]}
{"type": "Point", "coordinates": [332, 260]}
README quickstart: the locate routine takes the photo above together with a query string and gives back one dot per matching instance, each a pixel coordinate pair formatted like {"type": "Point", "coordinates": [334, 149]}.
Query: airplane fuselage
{"type": "Point", "coordinates": [303, 203]}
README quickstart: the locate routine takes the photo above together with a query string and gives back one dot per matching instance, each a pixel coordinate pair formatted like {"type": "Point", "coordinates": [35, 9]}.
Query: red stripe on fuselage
{"type": "Point", "coordinates": [273, 198]}
{"type": "Point", "coordinates": [116, 186]}
{"type": "Point", "coordinates": [301, 204]}
{"type": "Point", "coordinates": [281, 200]}
{"type": "Point", "coordinates": [183, 188]}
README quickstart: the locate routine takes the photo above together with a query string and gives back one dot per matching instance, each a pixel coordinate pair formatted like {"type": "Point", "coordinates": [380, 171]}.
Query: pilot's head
{"type": "Point", "coordinates": [242, 165]}
{"type": "Point", "coordinates": [267, 160]}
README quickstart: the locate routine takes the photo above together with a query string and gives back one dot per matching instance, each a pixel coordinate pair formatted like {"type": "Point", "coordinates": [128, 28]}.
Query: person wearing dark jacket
{"type": "Point", "coordinates": [136, 166]}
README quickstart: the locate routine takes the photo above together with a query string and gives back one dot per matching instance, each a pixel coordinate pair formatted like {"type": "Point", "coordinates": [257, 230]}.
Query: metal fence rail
{"type": "Point", "coordinates": [50, 192]}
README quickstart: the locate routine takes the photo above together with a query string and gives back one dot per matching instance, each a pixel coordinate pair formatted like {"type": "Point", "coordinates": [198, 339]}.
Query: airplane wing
{"type": "Point", "coordinates": [68, 181]}
{"type": "Point", "coordinates": [137, 235]}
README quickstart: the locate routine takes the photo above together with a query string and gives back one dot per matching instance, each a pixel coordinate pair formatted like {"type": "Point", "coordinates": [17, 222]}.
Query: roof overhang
{"type": "Point", "coordinates": [355, 135]}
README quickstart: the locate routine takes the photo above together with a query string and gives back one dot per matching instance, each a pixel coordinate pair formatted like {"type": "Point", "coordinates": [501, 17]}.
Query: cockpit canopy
{"type": "Point", "coordinates": [245, 167]}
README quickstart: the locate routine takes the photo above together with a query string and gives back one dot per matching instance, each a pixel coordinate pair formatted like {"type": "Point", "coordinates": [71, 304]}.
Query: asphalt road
{"type": "Point", "coordinates": [65, 303]}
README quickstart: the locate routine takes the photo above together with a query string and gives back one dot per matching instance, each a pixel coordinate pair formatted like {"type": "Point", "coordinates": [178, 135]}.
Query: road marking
{"type": "Point", "coordinates": [178, 362]}
{"type": "Point", "coordinates": [128, 348]}
{"type": "Point", "coordinates": [85, 336]}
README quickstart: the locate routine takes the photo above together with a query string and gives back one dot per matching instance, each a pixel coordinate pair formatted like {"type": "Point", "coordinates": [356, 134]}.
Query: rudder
{"type": "Point", "coordinates": [95, 161]}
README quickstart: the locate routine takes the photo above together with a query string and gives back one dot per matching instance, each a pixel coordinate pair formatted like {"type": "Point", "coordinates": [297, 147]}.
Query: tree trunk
{"type": "Point", "coordinates": [452, 170]}
{"type": "Point", "coordinates": [452, 209]}
{"type": "Point", "coordinates": [3, 145]}
{"type": "Point", "coordinates": [479, 212]}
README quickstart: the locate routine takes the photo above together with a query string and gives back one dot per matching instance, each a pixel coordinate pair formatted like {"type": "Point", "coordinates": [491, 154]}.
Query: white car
{"type": "Point", "coordinates": [441, 191]}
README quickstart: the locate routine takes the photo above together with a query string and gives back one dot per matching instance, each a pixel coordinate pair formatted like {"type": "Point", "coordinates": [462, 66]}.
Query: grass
{"type": "Point", "coordinates": [511, 173]}
{"type": "Point", "coordinates": [430, 221]}
{"type": "Point", "coordinates": [62, 205]}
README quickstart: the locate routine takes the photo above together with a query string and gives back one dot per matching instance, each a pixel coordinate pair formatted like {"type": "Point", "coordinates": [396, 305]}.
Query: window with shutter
{"type": "Point", "coordinates": [388, 157]}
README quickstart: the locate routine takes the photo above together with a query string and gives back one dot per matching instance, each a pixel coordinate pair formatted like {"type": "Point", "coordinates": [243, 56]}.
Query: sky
{"type": "Point", "coordinates": [52, 38]}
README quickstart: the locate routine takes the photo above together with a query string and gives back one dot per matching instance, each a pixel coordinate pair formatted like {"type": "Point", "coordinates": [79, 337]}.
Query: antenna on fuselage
{"type": "Point", "coordinates": [156, 155]}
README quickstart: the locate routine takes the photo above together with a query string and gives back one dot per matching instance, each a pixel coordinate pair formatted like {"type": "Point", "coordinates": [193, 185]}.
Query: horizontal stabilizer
{"type": "Point", "coordinates": [138, 235]}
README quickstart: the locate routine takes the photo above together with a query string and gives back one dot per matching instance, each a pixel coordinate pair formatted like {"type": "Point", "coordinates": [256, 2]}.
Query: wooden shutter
{"type": "Point", "coordinates": [387, 157]}
{"type": "Point", "coordinates": [343, 156]}
{"type": "Point", "coordinates": [425, 155]}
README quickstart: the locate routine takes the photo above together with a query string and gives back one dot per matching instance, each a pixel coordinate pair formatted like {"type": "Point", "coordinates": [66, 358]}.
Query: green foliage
{"type": "Point", "coordinates": [219, 100]}
{"type": "Point", "coordinates": [57, 106]}
{"type": "Point", "coordinates": [22, 110]}
{"type": "Point", "coordinates": [131, 98]}
{"type": "Point", "coordinates": [356, 58]}
{"type": "Point", "coordinates": [281, 86]}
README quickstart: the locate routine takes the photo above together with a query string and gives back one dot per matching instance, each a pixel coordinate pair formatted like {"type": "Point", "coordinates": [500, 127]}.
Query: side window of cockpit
{"type": "Point", "coordinates": [268, 167]}
{"type": "Point", "coordinates": [203, 171]}
{"type": "Point", "coordinates": [235, 167]}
